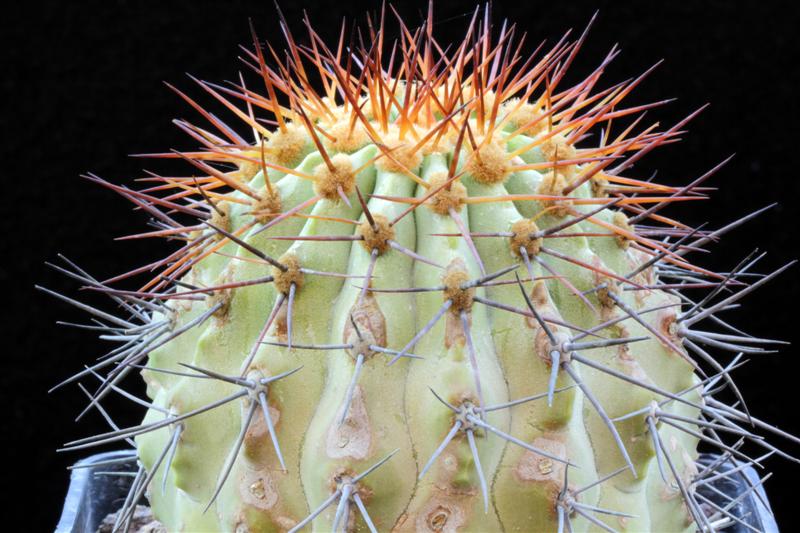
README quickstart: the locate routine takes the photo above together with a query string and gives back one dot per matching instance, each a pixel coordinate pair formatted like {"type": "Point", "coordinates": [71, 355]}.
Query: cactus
{"type": "Point", "coordinates": [424, 298]}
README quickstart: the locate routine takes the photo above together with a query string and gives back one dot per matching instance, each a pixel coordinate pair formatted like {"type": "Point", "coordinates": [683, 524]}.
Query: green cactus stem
{"type": "Point", "coordinates": [424, 293]}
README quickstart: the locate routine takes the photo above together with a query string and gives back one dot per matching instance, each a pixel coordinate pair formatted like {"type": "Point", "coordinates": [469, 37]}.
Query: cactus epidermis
{"type": "Point", "coordinates": [423, 299]}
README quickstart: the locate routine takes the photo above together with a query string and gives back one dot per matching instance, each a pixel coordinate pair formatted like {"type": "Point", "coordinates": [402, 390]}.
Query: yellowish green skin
{"type": "Point", "coordinates": [393, 408]}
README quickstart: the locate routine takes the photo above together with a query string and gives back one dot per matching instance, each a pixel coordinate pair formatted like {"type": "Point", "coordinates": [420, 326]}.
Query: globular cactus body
{"type": "Point", "coordinates": [422, 301]}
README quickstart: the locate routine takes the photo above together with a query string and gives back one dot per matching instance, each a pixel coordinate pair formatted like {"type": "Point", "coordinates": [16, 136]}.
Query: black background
{"type": "Point", "coordinates": [81, 88]}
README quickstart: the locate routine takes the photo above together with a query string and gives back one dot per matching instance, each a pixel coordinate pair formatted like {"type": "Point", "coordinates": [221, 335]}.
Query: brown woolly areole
{"type": "Point", "coordinates": [328, 181]}
{"type": "Point", "coordinates": [292, 274]}
{"type": "Point", "coordinates": [344, 476]}
{"type": "Point", "coordinates": [256, 372]}
{"type": "Point", "coordinates": [599, 186]}
{"type": "Point", "coordinates": [453, 279]}
{"type": "Point", "coordinates": [347, 137]}
{"type": "Point", "coordinates": [609, 286]}
{"type": "Point", "coordinates": [248, 169]}
{"type": "Point", "coordinates": [544, 348]}
{"type": "Point", "coordinates": [361, 345]}
{"type": "Point", "coordinates": [221, 218]}
{"type": "Point", "coordinates": [553, 184]}
{"type": "Point", "coordinates": [467, 406]}
{"type": "Point", "coordinates": [539, 294]}
{"type": "Point", "coordinates": [223, 296]}
{"type": "Point", "coordinates": [620, 220]}
{"type": "Point", "coordinates": [667, 320]}
{"type": "Point", "coordinates": [367, 316]}
{"type": "Point", "coordinates": [269, 204]}
{"type": "Point", "coordinates": [557, 148]}
{"type": "Point", "coordinates": [524, 231]}
{"type": "Point", "coordinates": [541, 302]}
{"type": "Point", "coordinates": [378, 237]}
{"type": "Point", "coordinates": [489, 99]}
{"type": "Point", "coordinates": [286, 145]}
{"type": "Point", "coordinates": [489, 164]}
{"type": "Point", "coordinates": [449, 197]}
{"type": "Point", "coordinates": [402, 154]}
{"type": "Point", "coordinates": [523, 115]}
